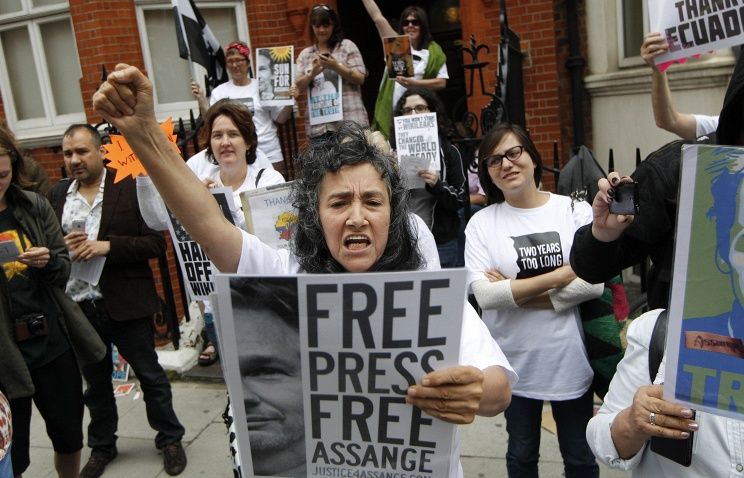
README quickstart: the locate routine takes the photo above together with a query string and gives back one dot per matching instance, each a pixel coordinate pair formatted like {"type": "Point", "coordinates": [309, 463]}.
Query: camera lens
{"type": "Point", "coordinates": [36, 326]}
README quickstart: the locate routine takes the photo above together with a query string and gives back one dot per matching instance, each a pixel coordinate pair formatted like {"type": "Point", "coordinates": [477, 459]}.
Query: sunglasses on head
{"type": "Point", "coordinates": [322, 7]}
{"type": "Point", "coordinates": [412, 22]}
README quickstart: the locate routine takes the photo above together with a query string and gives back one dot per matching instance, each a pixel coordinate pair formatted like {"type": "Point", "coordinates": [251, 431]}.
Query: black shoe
{"type": "Point", "coordinates": [97, 463]}
{"type": "Point", "coordinates": [174, 458]}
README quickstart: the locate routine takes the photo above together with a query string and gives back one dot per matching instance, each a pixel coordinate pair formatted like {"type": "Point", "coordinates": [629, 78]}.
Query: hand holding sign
{"type": "Point", "coordinates": [670, 420]}
{"type": "Point", "coordinates": [452, 394]}
{"type": "Point", "coordinates": [122, 158]}
{"type": "Point", "coordinates": [653, 45]}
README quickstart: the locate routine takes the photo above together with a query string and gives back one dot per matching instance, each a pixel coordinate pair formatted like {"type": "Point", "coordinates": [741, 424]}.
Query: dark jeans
{"type": "Point", "coordinates": [523, 419]}
{"type": "Point", "coordinates": [211, 329]}
{"type": "Point", "coordinates": [448, 254]}
{"type": "Point", "coordinates": [136, 342]}
{"type": "Point", "coordinates": [58, 397]}
{"type": "Point", "coordinates": [461, 235]}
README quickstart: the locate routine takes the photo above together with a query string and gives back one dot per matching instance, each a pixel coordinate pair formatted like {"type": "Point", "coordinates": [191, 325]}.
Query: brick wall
{"type": "Point", "coordinates": [542, 28]}
{"type": "Point", "coordinates": [106, 34]}
{"type": "Point", "coordinates": [273, 23]}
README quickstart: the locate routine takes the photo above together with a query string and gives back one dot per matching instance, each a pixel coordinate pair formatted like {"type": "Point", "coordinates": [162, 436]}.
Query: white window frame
{"type": "Point", "coordinates": [634, 59]}
{"type": "Point", "coordinates": [181, 109]}
{"type": "Point", "coordinates": [27, 8]}
{"type": "Point", "coordinates": [51, 124]}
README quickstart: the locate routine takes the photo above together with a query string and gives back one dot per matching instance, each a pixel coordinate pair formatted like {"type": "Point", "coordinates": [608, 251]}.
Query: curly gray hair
{"type": "Point", "coordinates": [349, 145]}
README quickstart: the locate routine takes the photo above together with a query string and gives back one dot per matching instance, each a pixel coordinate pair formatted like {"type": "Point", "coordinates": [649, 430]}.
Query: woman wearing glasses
{"type": "Point", "coordinates": [331, 51]}
{"type": "Point", "coordinates": [517, 254]}
{"type": "Point", "coordinates": [444, 192]}
{"type": "Point", "coordinates": [241, 87]}
{"type": "Point", "coordinates": [429, 61]}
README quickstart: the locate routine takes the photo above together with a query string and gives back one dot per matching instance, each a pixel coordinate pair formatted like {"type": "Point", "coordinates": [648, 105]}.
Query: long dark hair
{"type": "Point", "coordinates": [241, 116]}
{"type": "Point", "coordinates": [489, 143]}
{"type": "Point", "coordinates": [420, 14]}
{"type": "Point", "coordinates": [9, 145]}
{"type": "Point", "coordinates": [349, 145]}
{"type": "Point", "coordinates": [322, 14]}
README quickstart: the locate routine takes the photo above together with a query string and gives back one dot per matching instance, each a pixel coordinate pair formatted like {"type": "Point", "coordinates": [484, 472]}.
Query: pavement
{"type": "Point", "coordinates": [199, 400]}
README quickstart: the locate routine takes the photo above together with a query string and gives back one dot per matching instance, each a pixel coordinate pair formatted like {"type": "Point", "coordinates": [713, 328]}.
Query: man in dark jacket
{"type": "Point", "coordinates": [613, 242]}
{"type": "Point", "coordinates": [105, 230]}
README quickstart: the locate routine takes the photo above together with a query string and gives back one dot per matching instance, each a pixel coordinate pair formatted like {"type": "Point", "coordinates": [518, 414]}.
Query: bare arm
{"type": "Point", "coordinates": [526, 289]}
{"type": "Point", "coordinates": [429, 84]}
{"type": "Point", "coordinates": [125, 100]}
{"type": "Point", "coordinates": [200, 98]}
{"type": "Point", "coordinates": [500, 292]}
{"type": "Point", "coordinates": [283, 115]}
{"type": "Point", "coordinates": [381, 23]}
{"type": "Point", "coordinates": [666, 115]}
{"type": "Point", "coordinates": [496, 392]}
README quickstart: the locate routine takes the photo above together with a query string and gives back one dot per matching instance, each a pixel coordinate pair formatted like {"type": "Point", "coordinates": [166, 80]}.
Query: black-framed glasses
{"type": "Point", "coordinates": [411, 22]}
{"type": "Point", "coordinates": [418, 109]}
{"type": "Point", "coordinates": [512, 154]}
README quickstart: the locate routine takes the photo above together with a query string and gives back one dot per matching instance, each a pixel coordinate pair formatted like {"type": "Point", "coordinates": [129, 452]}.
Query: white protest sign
{"type": "Point", "coordinates": [195, 266]}
{"type": "Point", "coordinates": [89, 270]}
{"type": "Point", "coordinates": [269, 214]}
{"type": "Point", "coordinates": [274, 67]}
{"type": "Point", "coordinates": [338, 352]}
{"type": "Point", "coordinates": [693, 27]}
{"type": "Point", "coordinates": [417, 145]}
{"type": "Point", "coordinates": [9, 251]}
{"type": "Point", "coordinates": [324, 98]}
{"type": "Point", "coordinates": [705, 333]}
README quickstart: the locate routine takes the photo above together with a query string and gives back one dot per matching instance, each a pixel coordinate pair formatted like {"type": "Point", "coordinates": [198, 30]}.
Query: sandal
{"type": "Point", "coordinates": [208, 356]}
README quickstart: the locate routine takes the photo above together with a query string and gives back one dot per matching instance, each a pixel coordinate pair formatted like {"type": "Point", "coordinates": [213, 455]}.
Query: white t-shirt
{"type": "Point", "coordinates": [546, 348]}
{"type": "Point", "coordinates": [155, 214]}
{"type": "Point", "coordinates": [263, 116]}
{"type": "Point", "coordinates": [420, 60]}
{"type": "Point", "coordinates": [477, 347]}
{"type": "Point", "coordinates": [425, 242]}
{"type": "Point", "coordinates": [153, 208]}
{"type": "Point", "coordinates": [705, 124]}
{"type": "Point", "coordinates": [203, 167]}
{"type": "Point", "coordinates": [282, 261]}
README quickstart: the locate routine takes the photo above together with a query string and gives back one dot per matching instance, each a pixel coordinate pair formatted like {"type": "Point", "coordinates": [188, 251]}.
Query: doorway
{"type": "Point", "coordinates": [444, 23]}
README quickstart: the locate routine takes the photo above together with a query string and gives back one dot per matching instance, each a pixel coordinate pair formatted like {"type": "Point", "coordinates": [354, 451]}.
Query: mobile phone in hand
{"type": "Point", "coordinates": [679, 451]}
{"type": "Point", "coordinates": [78, 225]}
{"type": "Point", "coordinates": [626, 199]}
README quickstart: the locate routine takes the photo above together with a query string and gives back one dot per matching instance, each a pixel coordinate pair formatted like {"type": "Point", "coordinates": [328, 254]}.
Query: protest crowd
{"type": "Point", "coordinates": [388, 195]}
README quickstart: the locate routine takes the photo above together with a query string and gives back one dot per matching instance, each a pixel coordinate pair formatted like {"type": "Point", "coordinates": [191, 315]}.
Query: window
{"type": "Point", "coordinates": [39, 68]}
{"type": "Point", "coordinates": [632, 18]}
{"type": "Point", "coordinates": [168, 72]}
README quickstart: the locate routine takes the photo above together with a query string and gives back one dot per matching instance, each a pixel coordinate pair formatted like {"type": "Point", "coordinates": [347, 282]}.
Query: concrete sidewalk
{"type": "Point", "coordinates": [199, 406]}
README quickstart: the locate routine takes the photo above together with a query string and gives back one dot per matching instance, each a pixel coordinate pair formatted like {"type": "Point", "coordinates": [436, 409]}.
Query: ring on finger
{"type": "Point", "coordinates": [652, 418]}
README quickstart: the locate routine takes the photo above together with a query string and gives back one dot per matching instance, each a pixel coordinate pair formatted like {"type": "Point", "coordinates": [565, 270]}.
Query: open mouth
{"type": "Point", "coordinates": [357, 242]}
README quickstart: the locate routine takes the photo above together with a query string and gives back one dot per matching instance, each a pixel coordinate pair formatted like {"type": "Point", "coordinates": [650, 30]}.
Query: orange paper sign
{"type": "Point", "coordinates": [122, 158]}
